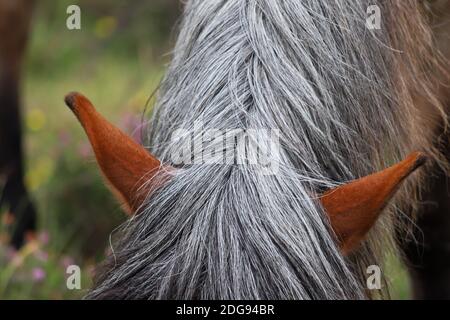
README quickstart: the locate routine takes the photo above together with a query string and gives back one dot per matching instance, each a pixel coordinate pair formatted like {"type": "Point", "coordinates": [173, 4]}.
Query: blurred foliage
{"type": "Point", "coordinates": [38, 272]}
{"type": "Point", "coordinates": [117, 59]}
{"type": "Point", "coordinates": [120, 29]}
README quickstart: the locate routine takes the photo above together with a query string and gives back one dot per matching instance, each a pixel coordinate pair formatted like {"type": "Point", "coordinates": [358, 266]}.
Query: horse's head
{"type": "Point", "coordinates": [133, 173]}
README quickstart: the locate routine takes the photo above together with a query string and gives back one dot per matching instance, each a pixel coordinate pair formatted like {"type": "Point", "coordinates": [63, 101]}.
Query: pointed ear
{"type": "Point", "coordinates": [125, 164]}
{"type": "Point", "coordinates": [353, 208]}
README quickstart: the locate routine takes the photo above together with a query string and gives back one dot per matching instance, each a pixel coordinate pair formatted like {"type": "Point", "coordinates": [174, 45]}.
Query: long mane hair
{"type": "Point", "coordinates": [345, 102]}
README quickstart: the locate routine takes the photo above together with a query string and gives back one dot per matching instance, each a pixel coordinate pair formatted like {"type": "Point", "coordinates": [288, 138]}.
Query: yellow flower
{"type": "Point", "coordinates": [40, 173]}
{"type": "Point", "coordinates": [105, 26]}
{"type": "Point", "coordinates": [35, 119]}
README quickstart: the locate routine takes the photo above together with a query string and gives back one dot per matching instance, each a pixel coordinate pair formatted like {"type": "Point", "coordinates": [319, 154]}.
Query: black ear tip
{"type": "Point", "coordinates": [70, 99]}
{"type": "Point", "coordinates": [421, 160]}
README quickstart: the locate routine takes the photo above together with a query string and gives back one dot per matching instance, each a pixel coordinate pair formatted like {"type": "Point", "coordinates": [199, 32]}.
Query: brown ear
{"type": "Point", "coordinates": [125, 164]}
{"type": "Point", "coordinates": [353, 208]}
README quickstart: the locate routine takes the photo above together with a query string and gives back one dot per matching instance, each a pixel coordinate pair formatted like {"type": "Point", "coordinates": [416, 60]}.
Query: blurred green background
{"type": "Point", "coordinates": [117, 59]}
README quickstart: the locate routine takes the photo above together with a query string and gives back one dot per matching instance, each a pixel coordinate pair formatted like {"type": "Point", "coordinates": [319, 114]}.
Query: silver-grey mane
{"type": "Point", "coordinates": [341, 97]}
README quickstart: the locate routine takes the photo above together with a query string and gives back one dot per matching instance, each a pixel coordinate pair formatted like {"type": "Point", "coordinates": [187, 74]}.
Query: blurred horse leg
{"type": "Point", "coordinates": [15, 16]}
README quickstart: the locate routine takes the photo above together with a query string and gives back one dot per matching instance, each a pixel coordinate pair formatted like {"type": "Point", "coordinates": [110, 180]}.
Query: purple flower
{"type": "Point", "coordinates": [38, 274]}
{"type": "Point", "coordinates": [41, 255]}
{"type": "Point", "coordinates": [11, 253]}
{"type": "Point", "coordinates": [64, 138]}
{"type": "Point", "coordinates": [85, 150]}
{"type": "Point", "coordinates": [44, 237]}
{"type": "Point", "coordinates": [67, 261]}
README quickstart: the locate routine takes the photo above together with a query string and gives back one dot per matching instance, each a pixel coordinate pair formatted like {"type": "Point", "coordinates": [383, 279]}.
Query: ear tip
{"type": "Point", "coordinates": [70, 100]}
{"type": "Point", "coordinates": [75, 99]}
{"type": "Point", "coordinates": [420, 159]}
